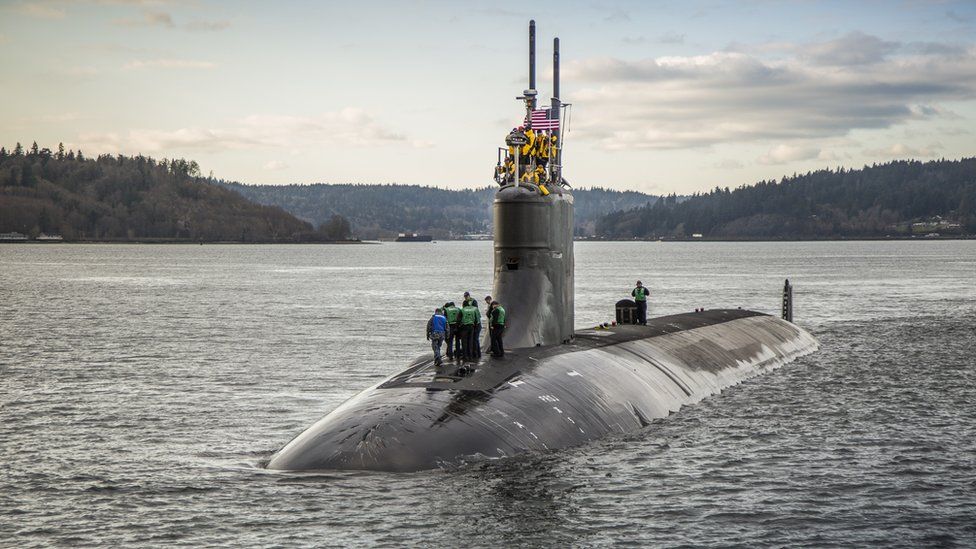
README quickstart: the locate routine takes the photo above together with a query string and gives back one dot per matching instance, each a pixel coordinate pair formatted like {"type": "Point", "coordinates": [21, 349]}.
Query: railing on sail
{"type": "Point", "coordinates": [508, 167]}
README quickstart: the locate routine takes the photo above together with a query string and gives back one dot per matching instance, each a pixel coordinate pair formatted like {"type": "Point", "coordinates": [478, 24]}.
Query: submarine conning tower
{"type": "Point", "coordinates": [533, 222]}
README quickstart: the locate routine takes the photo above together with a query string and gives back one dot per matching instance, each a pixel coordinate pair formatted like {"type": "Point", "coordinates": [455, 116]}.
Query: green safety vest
{"type": "Point", "coordinates": [469, 316]}
{"type": "Point", "coordinates": [641, 293]}
{"type": "Point", "coordinates": [452, 314]}
{"type": "Point", "coordinates": [500, 315]}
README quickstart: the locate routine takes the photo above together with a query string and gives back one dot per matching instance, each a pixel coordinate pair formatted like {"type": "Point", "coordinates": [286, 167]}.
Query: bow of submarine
{"type": "Point", "coordinates": [607, 381]}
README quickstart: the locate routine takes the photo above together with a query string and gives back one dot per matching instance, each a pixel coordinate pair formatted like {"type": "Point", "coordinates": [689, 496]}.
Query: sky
{"type": "Point", "coordinates": [666, 96]}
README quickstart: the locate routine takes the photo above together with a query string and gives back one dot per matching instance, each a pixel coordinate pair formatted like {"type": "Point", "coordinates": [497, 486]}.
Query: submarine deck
{"type": "Point", "coordinates": [489, 373]}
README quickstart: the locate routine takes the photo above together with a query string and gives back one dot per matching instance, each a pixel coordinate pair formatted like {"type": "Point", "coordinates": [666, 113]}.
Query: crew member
{"type": "Point", "coordinates": [453, 315]}
{"type": "Point", "coordinates": [528, 148]}
{"type": "Point", "coordinates": [509, 168]}
{"type": "Point", "coordinates": [499, 174]}
{"type": "Point", "coordinates": [437, 330]}
{"type": "Point", "coordinates": [640, 296]}
{"type": "Point", "coordinates": [543, 150]}
{"type": "Point", "coordinates": [468, 315]}
{"type": "Point", "coordinates": [539, 176]}
{"type": "Point", "coordinates": [476, 337]}
{"type": "Point", "coordinates": [496, 323]}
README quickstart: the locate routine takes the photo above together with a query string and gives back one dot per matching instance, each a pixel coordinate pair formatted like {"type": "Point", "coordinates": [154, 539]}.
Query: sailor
{"type": "Point", "coordinates": [437, 330]}
{"type": "Point", "coordinates": [528, 148]}
{"type": "Point", "coordinates": [453, 315]}
{"type": "Point", "coordinates": [476, 337]}
{"type": "Point", "coordinates": [539, 176]}
{"type": "Point", "coordinates": [496, 324]}
{"type": "Point", "coordinates": [640, 296]}
{"type": "Point", "coordinates": [509, 167]}
{"type": "Point", "coordinates": [488, 301]}
{"type": "Point", "coordinates": [543, 149]}
{"type": "Point", "coordinates": [468, 316]}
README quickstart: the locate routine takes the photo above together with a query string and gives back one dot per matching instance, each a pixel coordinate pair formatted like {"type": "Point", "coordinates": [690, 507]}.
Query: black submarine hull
{"type": "Point", "coordinates": [545, 398]}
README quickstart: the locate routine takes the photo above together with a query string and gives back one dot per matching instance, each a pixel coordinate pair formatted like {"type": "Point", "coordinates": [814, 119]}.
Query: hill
{"type": "Point", "coordinates": [378, 211]}
{"type": "Point", "coordinates": [899, 198]}
{"type": "Point", "coordinates": [130, 198]}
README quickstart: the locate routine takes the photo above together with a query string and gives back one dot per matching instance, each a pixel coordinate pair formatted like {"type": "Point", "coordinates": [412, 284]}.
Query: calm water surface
{"type": "Point", "coordinates": [141, 387]}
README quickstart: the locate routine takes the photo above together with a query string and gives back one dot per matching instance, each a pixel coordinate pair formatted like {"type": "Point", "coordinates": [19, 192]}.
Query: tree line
{"type": "Point", "coordinates": [135, 197]}
{"type": "Point", "coordinates": [384, 210]}
{"type": "Point", "coordinates": [890, 199]}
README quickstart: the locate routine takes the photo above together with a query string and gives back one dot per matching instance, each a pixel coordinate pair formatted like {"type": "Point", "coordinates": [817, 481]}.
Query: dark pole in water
{"type": "Point", "coordinates": [787, 301]}
{"type": "Point", "coordinates": [555, 108]}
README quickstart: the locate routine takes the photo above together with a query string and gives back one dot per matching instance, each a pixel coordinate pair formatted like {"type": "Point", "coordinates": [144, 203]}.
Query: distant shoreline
{"type": "Point", "coordinates": [373, 242]}
{"type": "Point", "coordinates": [179, 241]}
{"type": "Point", "coordinates": [786, 239]}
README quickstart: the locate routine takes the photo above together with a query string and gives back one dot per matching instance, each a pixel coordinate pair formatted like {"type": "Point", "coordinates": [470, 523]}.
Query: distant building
{"type": "Point", "coordinates": [13, 237]}
{"type": "Point", "coordinates": [414, 237]}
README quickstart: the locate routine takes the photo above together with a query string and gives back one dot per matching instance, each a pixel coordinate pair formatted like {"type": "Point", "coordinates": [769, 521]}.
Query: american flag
{"type": "Point", "coordinates": [541, 120]}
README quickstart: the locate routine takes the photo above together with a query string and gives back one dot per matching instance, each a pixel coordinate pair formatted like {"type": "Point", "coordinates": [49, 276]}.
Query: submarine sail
{"type": "Point", "coordinates": [556, 387]}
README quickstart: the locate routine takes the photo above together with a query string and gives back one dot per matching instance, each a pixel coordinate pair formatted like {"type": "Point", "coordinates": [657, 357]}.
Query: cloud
{"type": "Point", "coordinates": [162, 19]}
{"type": "Point", "coordinates": [60, 117]}
{"type": "Point", "coordinates": [672, 38]}
{"type": "Point", "coordinates": [148, 19]}
{"type": "Point", "coordinates": [728, 164]}
{"type": "Point", "coordinates": [734, 97]}
{"type": "Point", "coordinates": [954, 131]}
{"type": "Point", "coordinates": [958, 17]}
{"type": "Point", "coordinates": [275, 165]}
{"type": "Point", "coordinates": [782, 154]}
{"type": "Point", "coordinates": [900, 150]}
{"type": "Point", "coordinates": [39, 10]}
{"type": "Point", "coordinates": [617, 16]}
{"type": "Point", "coordinates": [168, 64]}
{"type": "Point", "coordinates": [206, 26]}
{"type": "Point", "coordinates": [136, 2]}
{"type": "Point", "coordinates": [855, 48]}
{"type": "Point", "coordinates": [933, 48]}
{"type": "Point", "coordinates": [831, 156]}
{"type": "Point", "coordinates": [349, 127]}
{"type": "Point", "coordinates": [500, 12]}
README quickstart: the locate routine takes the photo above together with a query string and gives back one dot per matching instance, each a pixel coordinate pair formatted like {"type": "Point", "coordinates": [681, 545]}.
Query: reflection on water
{"type": "Point", "coordinates": [141, 387]}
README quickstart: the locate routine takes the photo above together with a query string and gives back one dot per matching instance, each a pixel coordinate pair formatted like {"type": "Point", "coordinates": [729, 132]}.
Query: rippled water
{"type": "Point", "coordinates": [142, 386]}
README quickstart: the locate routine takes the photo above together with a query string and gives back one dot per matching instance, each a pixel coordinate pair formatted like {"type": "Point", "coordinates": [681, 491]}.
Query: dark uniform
{"type": "Point", "coordinates": [496, 325]}
{"type": "Point", "coordinates": [640, 296]}
{"type": "Point", "coordinates": [468, 316]}
{"type": "Point", "coordinates": [476, 337]}
{"type": "Point", "coordinates": [453, 315]}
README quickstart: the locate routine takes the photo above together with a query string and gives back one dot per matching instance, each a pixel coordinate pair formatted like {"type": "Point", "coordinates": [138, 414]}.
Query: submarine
{"type": "Point", "coordinates": [556, 387]}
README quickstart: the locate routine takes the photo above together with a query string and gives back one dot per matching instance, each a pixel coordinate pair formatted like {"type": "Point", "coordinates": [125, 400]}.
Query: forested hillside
{"type": "Point", "coordinates": [896, 199]}
{"type": "Point", "coordinates": [378, 211]}
{"type": "Point", "coordinates": [129, 198]}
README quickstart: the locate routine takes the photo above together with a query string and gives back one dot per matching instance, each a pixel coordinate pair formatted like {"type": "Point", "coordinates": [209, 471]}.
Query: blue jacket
{"type": "Point", "coordinates": [437, 325]}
